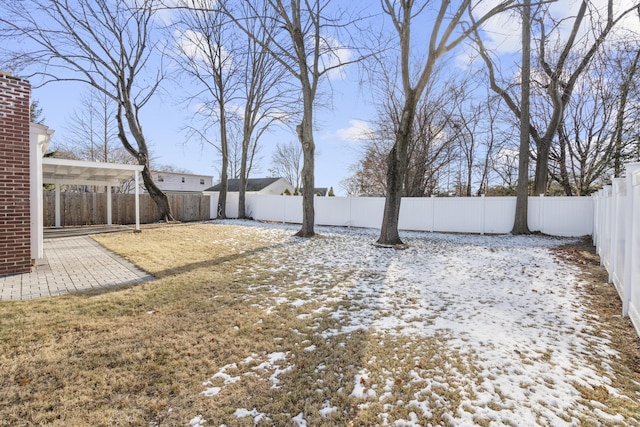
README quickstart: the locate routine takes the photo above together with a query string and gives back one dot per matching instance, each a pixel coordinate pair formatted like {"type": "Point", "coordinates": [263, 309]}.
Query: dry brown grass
{"type": "Point", "coordinates": [139, 356]}
{"type": "Point", "coordinates": [605, 309]}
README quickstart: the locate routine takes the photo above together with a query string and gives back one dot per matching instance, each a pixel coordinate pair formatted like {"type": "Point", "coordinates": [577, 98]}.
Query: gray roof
{"type": "Point", "coordinates": [320, 190]}
{"type": "Point", "coordinates": [253, 184]}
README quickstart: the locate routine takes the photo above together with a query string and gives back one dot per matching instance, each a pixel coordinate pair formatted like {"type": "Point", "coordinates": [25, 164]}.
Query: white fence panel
{"type": "Point", "coordinates": [632, 249]}
{"type": "Point", "coordinates": [333, 212]}
{"type": "Point", "coordinates": [231, 207]}
{"type": "Point", "coordinates": [617, 258]}
{"type": "Point", "coordinates": [265, 207]}
{"type": "Point", "coordinates": [416, 214]}
{"type": "Point", "coordinates": [560, 216]}
{"type": "Point", "coordinates": [367, 212]}
{"type": "Point", "coordinates": [499, 214]}
{"type": "Point", "coordinates": [458, 215]}
{"type": "Point", "coordinates": [292, 209]}
{"type": "Point", "coordinates": [603, 230]}
{"type": "Point", "coordinates": [617, 238]}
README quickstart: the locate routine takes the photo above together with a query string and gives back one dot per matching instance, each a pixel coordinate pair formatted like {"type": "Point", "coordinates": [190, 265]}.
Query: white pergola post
{"type": "Point", "coordinates": [57, 199]}
{"type": "Point", "coordinates": [109, 216]}
{"type": "Point", "coordinates": [39, 136]}
{"type": "Point", "coordinates": [137, 182]}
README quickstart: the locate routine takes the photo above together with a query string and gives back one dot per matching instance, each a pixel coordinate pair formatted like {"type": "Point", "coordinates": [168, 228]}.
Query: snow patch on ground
{"type": "Point", "coordinates": [502, 305]}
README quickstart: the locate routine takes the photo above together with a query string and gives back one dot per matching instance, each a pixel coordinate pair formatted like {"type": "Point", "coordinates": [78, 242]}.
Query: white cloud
{"type": "Point", "coordinates": [503, 32]}
{"type": "Point", "coordinates": [358, 131]}
{"type": "Point", "coordinates": [196, 47]}
{"type": "Point", "coordinates": [333, 53]}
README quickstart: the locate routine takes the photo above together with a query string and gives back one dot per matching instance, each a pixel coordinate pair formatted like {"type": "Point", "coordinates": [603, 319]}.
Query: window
{"type": "Point", "coordinates": [183, 179]}
{"type": "Point", "coordinates": [201, 181]}
{"type": "Point", "coordinates": [160, 178]}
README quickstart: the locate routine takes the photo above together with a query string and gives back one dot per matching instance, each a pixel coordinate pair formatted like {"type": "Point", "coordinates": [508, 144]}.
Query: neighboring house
{"type": "Point", "coordinates": [256, 186]}
{"type": "Point", "coordinates": [263, 186]}
{"type": "Point", "coordinates": [175, 182]}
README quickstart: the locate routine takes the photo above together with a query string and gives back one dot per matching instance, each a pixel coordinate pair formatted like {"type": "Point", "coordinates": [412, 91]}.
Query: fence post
{"type": "Point", "coordinates": [619, 221]}
{"type": "Point", "coordinates": [631, 169]}
{"type": "Point", "coordinates": [541, 213]}
{"type": "Point", "coordinates": [433, 213]}
{"type": "Point", "coordinates": [284, 209]}
{"type": "Point", "coordinates": [483, 213]}
{"type": "Point", "coordinates": [602, 234]}
{"type": "Point", "coordinates": [634, 247]}
{"type": "Point", "coordinates": [594, 234]}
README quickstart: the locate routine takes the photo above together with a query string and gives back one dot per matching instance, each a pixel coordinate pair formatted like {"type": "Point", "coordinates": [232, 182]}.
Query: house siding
{"type": "Point", "coordinates": [15, 208]}
{"type": "Point", "coordinates": [172, 182]}
{"type": "Point", "coordinates": [277, 187]}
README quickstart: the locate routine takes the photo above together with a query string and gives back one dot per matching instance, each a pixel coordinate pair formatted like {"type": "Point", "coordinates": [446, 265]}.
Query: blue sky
{"type": "Point", "coordinates": [336, 127]}
{"type": "Point", "coordinates": [163, 118]}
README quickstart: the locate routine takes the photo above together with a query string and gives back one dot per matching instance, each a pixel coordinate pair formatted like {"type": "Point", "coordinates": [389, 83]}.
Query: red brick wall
{"type": "Point", "coordinates": [15, 230]}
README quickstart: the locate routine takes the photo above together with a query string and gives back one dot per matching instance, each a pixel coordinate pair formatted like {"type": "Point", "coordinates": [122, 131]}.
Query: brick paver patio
{"type": "Point", "coordinates": [71, 264]}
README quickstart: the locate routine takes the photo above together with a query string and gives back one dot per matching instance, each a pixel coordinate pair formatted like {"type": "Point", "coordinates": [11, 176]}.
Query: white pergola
{"type": "Point", "coordinates": [47, 170]}
{"type": "Point", "coordinates": [77, 172]}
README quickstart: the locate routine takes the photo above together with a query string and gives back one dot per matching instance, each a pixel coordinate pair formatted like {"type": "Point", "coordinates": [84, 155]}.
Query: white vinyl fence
{"type": "Point", "coordinates": [616, 234]}
{"type": "Point", "coordinates": [557, 216]}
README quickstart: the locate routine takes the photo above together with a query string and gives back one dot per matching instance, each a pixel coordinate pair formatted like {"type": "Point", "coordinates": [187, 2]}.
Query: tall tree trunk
{"type": "Point", "coordinates": [305, 136]}
{"type": "Point", "coordinates": [396, 171]}
{"type": "Point", "coordinates": [562, 164]}
{"type": "Point", "coordinates": [544, 144]}
{"type": "Point", "coordinates": [242, 191]}
{"type": "Point", "coordinates": [622, 106]}
{"type": "Point", "coordinates": [142, 156]}
{"type": "Point", "coordinates": [469, 176]}
{"type": "Point", "coordinates": [224, 173]}
{"type": "Point", "coordinates": [542, 158]}
{"type": "Point", "coordinates": [520, 223]}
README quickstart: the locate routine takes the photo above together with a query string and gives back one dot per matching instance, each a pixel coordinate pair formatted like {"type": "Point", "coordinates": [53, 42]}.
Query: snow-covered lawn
{"type": "Point", "coordinates": [460, 330]}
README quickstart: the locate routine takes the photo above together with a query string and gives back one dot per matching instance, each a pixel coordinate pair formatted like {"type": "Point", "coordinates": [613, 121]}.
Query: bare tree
{"type": "Point", "coordinates": [266, 96]}
{"type": "Point", "coordinates": [304, 38]}
{"type": "Point", "coordinates": [584, 146]}
{"type": "Point", "coordinates": [450, 27]}
{"type": "Point", "coordinates": [286, 162]}
{"type": "Point", "coordinates": [206, 46]}
{"type": "Point", "coordinates": [492, 139]}
{"type": "Point", "coordinates": [433, 143]}
{"type": "Point", "coordinates": [520, 221]}
{"type": "Point", "coordinates": [593, 139]}
{"type": "Point", "coordinates": [558, 80]}
{"type": "Point", "coordinates": [368, 177]}
{"type": "Point", "coordinates": [365, 179]}
{"type": "Point", "coordinates": [106, 44]}
{"type": "Point", "coordinates": [92, 130]}
{"type": "Point", "coordinates": [627, 66]}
